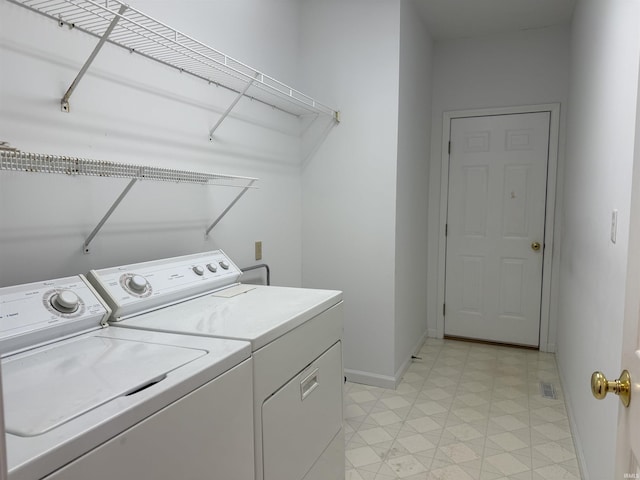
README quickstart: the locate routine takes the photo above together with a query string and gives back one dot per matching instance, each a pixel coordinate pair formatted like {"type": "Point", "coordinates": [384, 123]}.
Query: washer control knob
{"type": "Point", "coordinates": [137, 283]}
{"type": "Point", "coordinates": [224, 264]}
{"type": "Point", "coordinates": [198, 270]}
{"type": "Point", "coordinates": [65, 301]}
{"type": "Point", "coordinates": [212, 268]}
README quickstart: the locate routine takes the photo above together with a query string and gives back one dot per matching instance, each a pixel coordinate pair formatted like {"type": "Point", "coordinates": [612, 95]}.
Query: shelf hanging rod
{"type": "Point", "coordinates": [233, 104]}
{"type": "Point", "coordinates": [64, 103]}
{"type": "Point", "coordinates": [229, 207]}
{"type": "Point", "coordinates": [85, 247]}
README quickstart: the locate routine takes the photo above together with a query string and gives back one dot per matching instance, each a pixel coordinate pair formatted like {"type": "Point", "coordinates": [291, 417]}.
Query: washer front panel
{"type": "Point", "coordinates": [134, 289]}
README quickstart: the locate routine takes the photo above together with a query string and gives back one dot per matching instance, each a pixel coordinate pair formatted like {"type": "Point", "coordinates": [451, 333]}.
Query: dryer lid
{"type": "Point", "coordinates": [44, 389]}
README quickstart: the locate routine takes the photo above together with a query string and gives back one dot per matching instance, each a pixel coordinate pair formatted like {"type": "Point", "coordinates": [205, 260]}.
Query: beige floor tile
{"type": "Point", "coordinates": [352, 474]}
{"type": "Point", "coordinates": [375, 435]}
{"type": "Point", "coordinates": [416, 443]}
{"type": "Point", "coordinates": [507, 464]}
{"type": "Point", "coordinates": [507, 441]}
{"type": "Point", "coordinates": [462, 411]}
{"type": "Point", "coordinates": [361, 456]}
{"type": "Point", "coordinates": [405, 466]}
{"type": "Point", "coordinates": [449, 472]}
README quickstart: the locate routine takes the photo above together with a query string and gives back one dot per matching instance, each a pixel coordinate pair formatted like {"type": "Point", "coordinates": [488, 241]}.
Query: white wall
{"type": "Point", "coordinates": [414, 126]}
{"type": "Point", "coordinates": [597, 179]}
{"type": "Point", "coordinates": [350, 57]}
{"type": "Point", "coordinates": [130, 109]}
{"type": "Point", "coordinates": [262, 34]}
{"type": "Point", "coordinates": [522, 68]}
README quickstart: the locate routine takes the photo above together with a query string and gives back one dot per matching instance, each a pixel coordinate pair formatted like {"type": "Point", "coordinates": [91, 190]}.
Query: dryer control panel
{"type": "Point", "coordinates": [141, 287]}
{"type": "Point", "coordinates": [41, 312]}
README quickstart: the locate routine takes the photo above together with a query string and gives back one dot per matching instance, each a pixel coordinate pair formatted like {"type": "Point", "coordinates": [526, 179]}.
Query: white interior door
{"type": "Point", "coordinates": [628, 441]}
{"type": "Point", "coordinates": [495, 227]}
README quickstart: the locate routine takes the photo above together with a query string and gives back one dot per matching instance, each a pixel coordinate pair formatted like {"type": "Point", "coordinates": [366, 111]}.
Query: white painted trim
{"type": "Point", "coordinates": [385, 381]}
{"type": "Point", "coordinates": [547, 340]}
{"type": "Point", "coordinates": [405, 365]}
{"type": "Point", "coordinates": [573, 426]}
{"type": "Point", "coordinates": [368, 378]}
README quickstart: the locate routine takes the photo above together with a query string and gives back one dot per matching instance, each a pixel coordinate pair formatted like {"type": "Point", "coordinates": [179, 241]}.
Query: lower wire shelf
{"type": "Point", "coordinates": [13, 160]}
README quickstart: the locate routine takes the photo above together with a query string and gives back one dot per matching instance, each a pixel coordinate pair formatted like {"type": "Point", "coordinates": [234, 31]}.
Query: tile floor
{"type": "Point", "coordinates": [464, 411]}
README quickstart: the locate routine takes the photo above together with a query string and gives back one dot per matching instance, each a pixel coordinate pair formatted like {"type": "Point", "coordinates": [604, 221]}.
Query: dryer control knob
{"type": "Point", "coordinates": [65, 301]}
{"type": "Point", "coordinates": [137, 283]}
{"type": "Point", "coordinates": [224, 264]}
{"type": "Point", "coordinates": [212, 268]}
{"type": "Point", "coordinates": [198, 270]}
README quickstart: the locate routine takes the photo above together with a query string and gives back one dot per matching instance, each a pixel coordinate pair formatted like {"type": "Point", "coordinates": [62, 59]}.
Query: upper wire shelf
{"type": "Point", "coordinates": [135, 31]}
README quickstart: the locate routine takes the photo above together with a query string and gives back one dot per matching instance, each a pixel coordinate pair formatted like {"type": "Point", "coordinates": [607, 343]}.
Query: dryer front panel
{"type": "Point", "coordinates": [302, 418]}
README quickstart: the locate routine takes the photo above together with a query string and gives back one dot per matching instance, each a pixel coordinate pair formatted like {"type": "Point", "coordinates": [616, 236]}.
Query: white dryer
{"type": "Point", "coordinates": [84, 400]}
{"type": "Point", "coordinates": [295, 336]}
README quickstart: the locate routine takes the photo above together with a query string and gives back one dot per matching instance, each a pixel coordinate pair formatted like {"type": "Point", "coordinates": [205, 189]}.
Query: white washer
{"type": "Point", "coordinates": [295, 336]}
{"type": "Point", "coordinates": [84, 400]}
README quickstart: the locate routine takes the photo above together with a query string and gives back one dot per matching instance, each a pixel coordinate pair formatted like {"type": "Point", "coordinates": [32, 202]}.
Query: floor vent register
{"type": "Point", "coordinates": [547, 390]}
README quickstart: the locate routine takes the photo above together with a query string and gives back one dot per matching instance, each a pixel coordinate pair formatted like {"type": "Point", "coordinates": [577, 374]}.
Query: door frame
{"type": "Point", "coordinates": [546, 340]}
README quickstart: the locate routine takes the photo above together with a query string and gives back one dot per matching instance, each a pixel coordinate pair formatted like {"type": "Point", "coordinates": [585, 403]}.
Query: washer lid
{"type": "Point", "coordinates": [48, 387]}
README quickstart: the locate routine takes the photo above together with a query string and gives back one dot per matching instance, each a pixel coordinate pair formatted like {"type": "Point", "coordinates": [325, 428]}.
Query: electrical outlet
{"type": "Point", "coordinates": [258, 250]}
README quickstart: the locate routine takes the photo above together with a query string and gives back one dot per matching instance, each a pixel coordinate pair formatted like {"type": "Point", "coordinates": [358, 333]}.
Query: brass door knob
{"type": "Point", "coordinates": [535, 246]}
{"type": "Point", "coordinates": [600, 386]}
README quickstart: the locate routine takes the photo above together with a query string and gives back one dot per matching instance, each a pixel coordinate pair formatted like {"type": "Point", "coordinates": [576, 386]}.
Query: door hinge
{"type": "Point", "coordinates": [449, 147]}
{"type": "Point", "coordinates": [444, 309]}
{"type": "Point", "coordinates": [446, 229]}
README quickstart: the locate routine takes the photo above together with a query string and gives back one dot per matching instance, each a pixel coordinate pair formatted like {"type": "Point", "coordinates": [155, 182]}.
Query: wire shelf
{"type": "Point", "coordinates": [12, 160]}
{"type": "Point", "coordinates": [139, 33]}
{"type": "Point", "coordinates": [42, 163]}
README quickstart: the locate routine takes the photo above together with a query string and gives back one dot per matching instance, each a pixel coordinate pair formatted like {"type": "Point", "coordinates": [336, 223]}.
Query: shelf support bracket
{"type": "Point", "coordinates": [233, 104]}
{"type": "Point", "coordinates": [226, 210]}
{"type": "Point", "coordinates": [64, 103]}
{"type": "Point", "coordinates": [85, 247]}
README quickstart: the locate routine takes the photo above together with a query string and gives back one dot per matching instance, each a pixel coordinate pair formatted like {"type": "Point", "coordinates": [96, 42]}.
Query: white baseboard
{"type": "Point", "coordinates": [433, 333]}
{"type": "Point", "coordinates": [368, 378]}
{"type": "Point", "coordinates": [577, 443]}
{"type": "Point", "coordinates": [405, 365]}
{"type": "Point", "coordinates": [548, 348]}
{"type": "Point", "coordinates": [384, 381]}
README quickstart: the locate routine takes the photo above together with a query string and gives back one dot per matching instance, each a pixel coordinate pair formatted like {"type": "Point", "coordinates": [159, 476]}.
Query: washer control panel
{"type": "Point", "coordinates": [41, 312]}
{"type": "Point", "coordinates": [133, 289]}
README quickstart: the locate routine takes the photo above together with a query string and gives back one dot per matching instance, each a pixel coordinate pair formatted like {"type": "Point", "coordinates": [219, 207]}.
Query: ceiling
{"type": "Point", "coordinates": [448, 19]}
